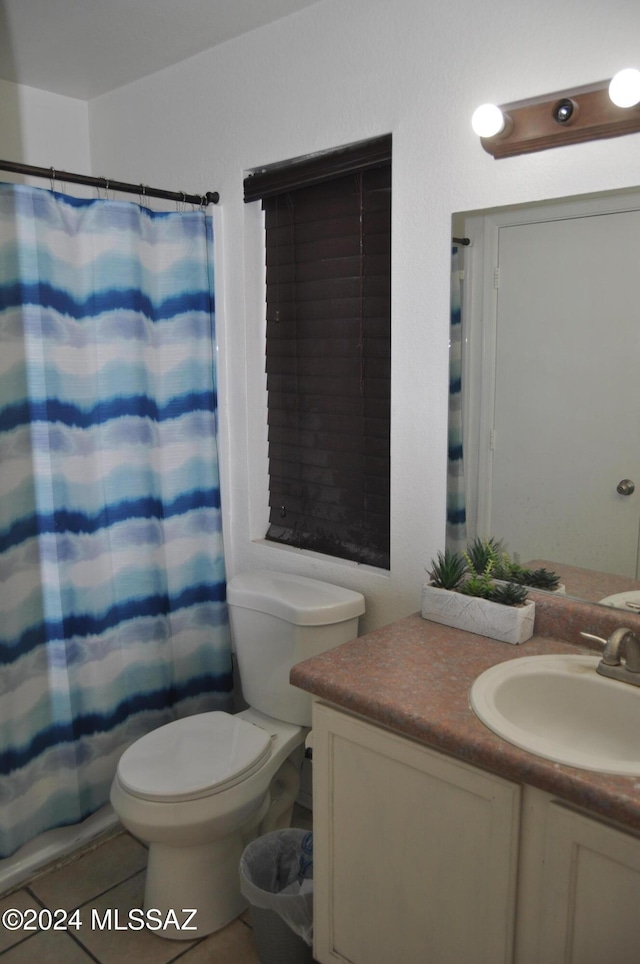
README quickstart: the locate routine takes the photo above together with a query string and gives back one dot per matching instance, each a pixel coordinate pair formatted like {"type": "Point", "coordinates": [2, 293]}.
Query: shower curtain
{"type": "Point", "coordinates": [113, 617]}
{"type": "Point", "coordinates": [456, 534]}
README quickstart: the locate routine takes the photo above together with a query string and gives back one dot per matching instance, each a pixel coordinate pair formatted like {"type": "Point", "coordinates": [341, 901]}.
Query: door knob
{"type": "Point", "coordinates": [626, 487]}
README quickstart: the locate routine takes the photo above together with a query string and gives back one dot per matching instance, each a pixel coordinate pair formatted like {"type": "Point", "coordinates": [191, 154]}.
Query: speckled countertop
{"type": "Point", "coordinates": [414, 676]}
{"type": "Point", "coordinates": [586, 584]}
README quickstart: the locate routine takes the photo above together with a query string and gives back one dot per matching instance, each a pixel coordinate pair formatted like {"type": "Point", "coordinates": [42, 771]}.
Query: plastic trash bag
{"type": "Point", "coordinates": [276, 873]}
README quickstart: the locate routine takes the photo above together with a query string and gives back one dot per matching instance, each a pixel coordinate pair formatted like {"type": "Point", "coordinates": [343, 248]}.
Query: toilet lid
{"type": "Point", "coordinates": [193, 757]}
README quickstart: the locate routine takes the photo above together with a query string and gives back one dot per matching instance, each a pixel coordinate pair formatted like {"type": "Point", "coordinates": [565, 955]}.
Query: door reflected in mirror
{"type": "Point", "coordinates": [550, 403]}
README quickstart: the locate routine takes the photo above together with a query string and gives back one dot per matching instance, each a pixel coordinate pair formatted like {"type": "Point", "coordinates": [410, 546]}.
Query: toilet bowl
{"type": "Point", "coordinates": [199, 789]}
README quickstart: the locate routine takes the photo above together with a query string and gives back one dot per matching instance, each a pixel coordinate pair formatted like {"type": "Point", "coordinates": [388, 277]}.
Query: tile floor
{"type": "Point", "coordinates": [96, 884]}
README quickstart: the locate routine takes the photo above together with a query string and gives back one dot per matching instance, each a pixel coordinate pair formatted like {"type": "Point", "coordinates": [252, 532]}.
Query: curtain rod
{"type": "Point", "coordinates": [211, 197]}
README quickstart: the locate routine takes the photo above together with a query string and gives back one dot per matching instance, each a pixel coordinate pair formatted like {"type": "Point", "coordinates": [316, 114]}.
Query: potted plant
{"type": "Point", "coordinates": [544, 579]}
{"type": "Point", "coordinates": [457, 595]}
{"type": "Point", "coordinates": [480, 552]}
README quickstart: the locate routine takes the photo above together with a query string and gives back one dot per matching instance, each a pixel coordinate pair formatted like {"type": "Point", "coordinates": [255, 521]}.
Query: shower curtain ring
{"type": "Point", "coordinates": [53, 178]}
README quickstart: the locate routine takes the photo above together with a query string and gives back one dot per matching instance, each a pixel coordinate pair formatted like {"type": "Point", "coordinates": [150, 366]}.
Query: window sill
{"type": "Point", "coordinates": [321, 557]}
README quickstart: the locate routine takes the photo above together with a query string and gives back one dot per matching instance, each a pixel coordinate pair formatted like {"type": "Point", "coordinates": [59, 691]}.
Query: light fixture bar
{"type": "Point", "coordinates": [566, 117]}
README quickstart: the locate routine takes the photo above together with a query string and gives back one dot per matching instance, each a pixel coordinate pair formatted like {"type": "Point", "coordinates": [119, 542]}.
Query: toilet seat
{"type": "Point", "coordinates": [193, 757]}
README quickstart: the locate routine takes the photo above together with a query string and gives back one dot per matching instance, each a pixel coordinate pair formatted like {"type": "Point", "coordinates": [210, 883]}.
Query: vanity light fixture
{"type": "Point", "coordinates": [593, 112]}
{"type": "Point", "coordinates": [624, 89]}
{"type": "Point", "coordinates": [488, 120]}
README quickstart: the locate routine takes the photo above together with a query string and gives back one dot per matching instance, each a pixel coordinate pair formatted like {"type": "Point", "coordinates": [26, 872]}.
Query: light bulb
{"type": "Point", "coordinates": [488, 120]}
{"type": "Point", "coordinates": [624, 89]}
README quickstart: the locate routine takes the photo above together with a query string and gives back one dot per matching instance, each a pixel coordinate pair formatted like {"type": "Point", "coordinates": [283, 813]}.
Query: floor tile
{"type": "Point", "coordinates": [19, 901]}
{"type": "Point", "coordinates": [92, 874]}
{"type": "Point", "coordinates": [54, 947]}
{"type": "Point", "coordinates": [106, 883]}
{"type": "Point", "coordinates": [129, 946]}
{"type": "Point", "coordinates": [231, 945]}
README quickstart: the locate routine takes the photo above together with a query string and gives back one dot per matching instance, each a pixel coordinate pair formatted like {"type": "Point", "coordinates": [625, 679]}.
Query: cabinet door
{"type": "Point", "coordinates": [590, 892]}
{"type": "Point", "coordinates": [414, 852]}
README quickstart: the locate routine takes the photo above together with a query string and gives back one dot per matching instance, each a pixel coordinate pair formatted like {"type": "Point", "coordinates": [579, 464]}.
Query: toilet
{"type": "Point", "coordinates": [196, 791]}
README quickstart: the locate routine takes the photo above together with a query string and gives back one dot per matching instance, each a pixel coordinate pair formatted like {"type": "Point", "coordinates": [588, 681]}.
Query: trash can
{"type": "Point", "coordinates": [276, 877]}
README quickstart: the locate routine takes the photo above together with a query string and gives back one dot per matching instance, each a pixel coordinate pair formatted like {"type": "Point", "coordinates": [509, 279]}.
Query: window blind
{"type": "Point", "coordinates": [328, 354]}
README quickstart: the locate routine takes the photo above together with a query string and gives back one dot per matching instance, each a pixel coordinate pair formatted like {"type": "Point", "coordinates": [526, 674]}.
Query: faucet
{"type": "Point", "coordinates": [621, 643]}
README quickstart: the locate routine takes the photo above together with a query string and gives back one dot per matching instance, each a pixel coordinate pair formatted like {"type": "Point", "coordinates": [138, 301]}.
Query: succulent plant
{"type": "Point", "coordinates": [447, 570]}
{"type": "Point", "coordinates": [541, 579]}
{"type": "Point", "coordinates": [509, 594]}
{"type": "Point", "coordinates": [479, 584]}
{"type": "Point", "coordinates": [474, 572]}
{"type": "Point", "coordinates": [481, 553]}
{"type": "Point", "coordinates": [507, 569]}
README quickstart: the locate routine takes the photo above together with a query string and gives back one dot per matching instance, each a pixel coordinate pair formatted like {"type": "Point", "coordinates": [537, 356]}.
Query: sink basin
{"type": "Point", "coordinates": [624, 600]}
{"type": "Point", "coordinates": [559, 708]}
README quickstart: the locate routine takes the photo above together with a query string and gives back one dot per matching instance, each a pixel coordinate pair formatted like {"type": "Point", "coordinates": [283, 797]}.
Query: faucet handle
{"type": "Point", "coordinates": [597, 639]}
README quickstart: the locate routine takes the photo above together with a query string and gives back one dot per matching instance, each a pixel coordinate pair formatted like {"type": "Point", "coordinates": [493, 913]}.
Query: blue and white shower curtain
{"type": "Point", "coordinates": [456, 534]}
{"type": "Point", "coordinates": [113, 617]}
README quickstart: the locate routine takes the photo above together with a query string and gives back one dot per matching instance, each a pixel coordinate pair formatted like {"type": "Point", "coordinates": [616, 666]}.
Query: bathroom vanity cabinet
{"type": "Point", "coordinates": [578, 887]}
{"type": "Point", "coordinates": [419, 856]}
{"type": "Point", "coordinates": [414, 852]}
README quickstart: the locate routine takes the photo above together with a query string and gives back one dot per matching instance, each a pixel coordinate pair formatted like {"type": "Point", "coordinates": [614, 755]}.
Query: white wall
{"type": "Point", "coordinates": [43, 129]}
{"type": "Point", "coordinates": [340, 71]}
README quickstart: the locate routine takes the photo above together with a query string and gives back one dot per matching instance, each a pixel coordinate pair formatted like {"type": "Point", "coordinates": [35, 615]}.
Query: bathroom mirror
{"type": "Point", "coordinates": [549, 406]}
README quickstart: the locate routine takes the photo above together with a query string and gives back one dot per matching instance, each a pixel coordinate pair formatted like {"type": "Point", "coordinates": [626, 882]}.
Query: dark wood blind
{"type": "Point", "coordinates": [328, 165]}
{"type": "Point", "coordinates": [328, 356]}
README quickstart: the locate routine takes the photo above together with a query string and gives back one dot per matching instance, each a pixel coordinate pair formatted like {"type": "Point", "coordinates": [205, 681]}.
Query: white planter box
{"type": "Point", "coordinates": [560, 590]}
{"type": "Point", "coordinates": [509, 624]}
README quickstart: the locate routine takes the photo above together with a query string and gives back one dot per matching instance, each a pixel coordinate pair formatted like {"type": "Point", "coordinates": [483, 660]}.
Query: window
{"type": "Point", "coordinates": [328, 349]}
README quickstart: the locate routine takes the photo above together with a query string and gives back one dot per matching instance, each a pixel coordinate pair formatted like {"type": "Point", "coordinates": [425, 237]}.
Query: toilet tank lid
{"type": "Point", "coordinates": [296, 599]}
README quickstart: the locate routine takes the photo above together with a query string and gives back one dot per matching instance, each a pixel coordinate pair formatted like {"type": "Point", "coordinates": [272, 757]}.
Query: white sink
{"type": "Point", "coordinates": [559, 708]}
{"type": "Point", "coordinates": [624, 600]}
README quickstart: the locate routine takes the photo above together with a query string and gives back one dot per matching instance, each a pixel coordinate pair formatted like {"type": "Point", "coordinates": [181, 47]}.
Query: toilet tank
{"type": "Point", "coordinates": [278, 619]}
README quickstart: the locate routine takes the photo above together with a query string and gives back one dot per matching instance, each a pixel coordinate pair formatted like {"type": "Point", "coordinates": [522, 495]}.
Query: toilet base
{"type": "Point", "coordinates": [204, 878]}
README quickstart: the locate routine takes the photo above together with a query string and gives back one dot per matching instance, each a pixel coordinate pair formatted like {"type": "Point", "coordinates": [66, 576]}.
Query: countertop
{"type": "Point", "coordinates": [587, 584]}
{"type": "Point", "coordinates": [414, 676]}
